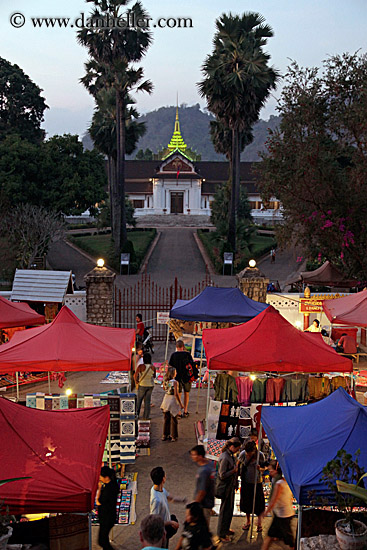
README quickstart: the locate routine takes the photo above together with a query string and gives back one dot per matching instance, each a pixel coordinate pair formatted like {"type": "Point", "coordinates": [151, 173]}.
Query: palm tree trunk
{"type": "Point", "coordinates": [237, 158]}
{"type": "Point", "coordinates": [110, 163]}
{"type": "Point", "coordinates": [115, 205]}
{"type": "Point", "coordinates": [232, 213]}
{"type": "Point", "coordinates": [121, 147]}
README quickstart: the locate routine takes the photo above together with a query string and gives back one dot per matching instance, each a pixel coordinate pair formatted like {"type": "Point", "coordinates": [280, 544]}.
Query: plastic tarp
{"type": "Point", "coordinates": [349, 310]}
{"type": "Point", "coordinates": [270, 343]}
{"type": "Point", "coordinates": [18, 314]}
{"type": "Point", "coordinates": [325, 275]}
{"type": "Point", "coordinates": [61, 451]}
{"type": "Point", "coordinates": [218, 305]}
{"type": "Point", "coordinates": [305, 438]}
{"type": "Point", "coordinates": [68, 344]}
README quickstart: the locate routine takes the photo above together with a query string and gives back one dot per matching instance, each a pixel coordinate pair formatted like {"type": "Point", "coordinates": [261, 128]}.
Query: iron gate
{"type": "Point", "coordinates": [147, 297]}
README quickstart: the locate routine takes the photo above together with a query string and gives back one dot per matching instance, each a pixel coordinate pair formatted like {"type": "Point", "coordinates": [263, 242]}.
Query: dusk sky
{"type": "Point", "coordinates": [304, 30]}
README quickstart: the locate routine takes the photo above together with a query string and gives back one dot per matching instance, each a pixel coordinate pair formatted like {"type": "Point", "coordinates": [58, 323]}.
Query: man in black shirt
{"type": "Point", "coordinates": [179, 359]}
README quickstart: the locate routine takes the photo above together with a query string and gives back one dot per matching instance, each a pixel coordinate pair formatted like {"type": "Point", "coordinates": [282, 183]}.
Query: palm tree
{"type": "Point", "coordinates": [113, 51]}
{"type": "Point", "coordinates": [103, 133]}
{"type": "Point", "coordinates": [237, 81]}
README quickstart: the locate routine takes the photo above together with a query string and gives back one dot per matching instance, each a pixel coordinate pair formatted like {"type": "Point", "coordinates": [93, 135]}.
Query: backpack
{"type": "Point", "coordinates": [192, 372]}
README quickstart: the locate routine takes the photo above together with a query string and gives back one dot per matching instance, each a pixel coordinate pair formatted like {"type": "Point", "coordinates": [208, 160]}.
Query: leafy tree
{"type": "Point", "coordinates": [237, 81]}
{"type": "Point", "coordinates": [316, 162]}
{"type": "Point", "coordinates": [30, 229]}
{"type": "Point", "coordinates": [144, 155]}
{"type": "Point", "coordinates": [56, 174]}
{"type": "Point", "coordinates": [220, 208]}
{"type": "Point", "coordinates": [21, 104]}
{"type": "Point", "coordinates": [114, 53]}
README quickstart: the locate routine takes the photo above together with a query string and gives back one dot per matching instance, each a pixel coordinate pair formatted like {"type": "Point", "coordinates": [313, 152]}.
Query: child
{"type": "Point", "coordinates": [195, 534]}
{"type": "Point", "coordinates": [159, 498]}
{"type": "Point", "coordinates": [171, 405]}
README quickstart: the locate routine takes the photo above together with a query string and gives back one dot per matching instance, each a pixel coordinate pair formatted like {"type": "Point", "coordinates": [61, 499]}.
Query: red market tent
{"type": "Point", "coordinates": [68, 344]}
{"type": "Point", "coordinates": [325, 275]}
{"type": "Point", "coordinates": [18, 314]}
{"type": "Point", "coordinates": [270, 343]}
{"type": "Point", "coordinates": [61, 451]}
{"type": "Point", "coordinates": [349, 310]}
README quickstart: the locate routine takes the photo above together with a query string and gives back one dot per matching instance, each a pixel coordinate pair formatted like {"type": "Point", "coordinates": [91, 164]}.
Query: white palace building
{"type": "Point", "coordinates": [179, 184]}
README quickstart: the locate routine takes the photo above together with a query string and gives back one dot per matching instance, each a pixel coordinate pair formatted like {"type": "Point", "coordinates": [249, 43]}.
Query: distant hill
{"type": "Point", "coordinates": [194, 124]}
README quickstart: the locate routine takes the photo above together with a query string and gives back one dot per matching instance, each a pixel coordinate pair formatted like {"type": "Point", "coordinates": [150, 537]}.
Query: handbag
{"type": "Point", "coordinates": [144, 375]}
{"type": "Point", "coordinates": [220, 487]}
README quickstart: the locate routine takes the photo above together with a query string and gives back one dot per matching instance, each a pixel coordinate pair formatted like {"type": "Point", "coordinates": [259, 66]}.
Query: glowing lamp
{"type": "Point", "coordinates": [253, 377]}
{"type": "Point", "coordinates": [100, 262]}
{"type": "Point", "coordinates": [252, 263]}
{"type": "Point", "coordinates": [69, 391]}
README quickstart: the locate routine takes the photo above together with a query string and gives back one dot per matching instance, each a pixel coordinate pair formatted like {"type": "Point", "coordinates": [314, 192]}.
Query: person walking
{"type": "Point", "coordinates": [152, 532]}
{"type": "Point", "coordinates": [106, 501]}
{"type": "Point", "coordinates": [144, 381]}
{"type": "Point", "coordinates": [171, 405]}
{"type": "Point", "coordinates": [204, 486]}
{"type": "Point", "coordinates": [179, 360]}
{"type": "Point", "coordinates": [227, 473]}
{"type": "Point", "coordinates": [248, 469]}
{"type": "Point", "coordinates": [272, 255]}
{"type": "Point", "coordinates": [281, 503]}
{"type": "Point", "coordinates": [195, 534]}
{"type": "Point", "coordinates": [159, 498]}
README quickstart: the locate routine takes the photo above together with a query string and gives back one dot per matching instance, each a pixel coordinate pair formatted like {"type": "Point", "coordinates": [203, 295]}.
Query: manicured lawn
{"type": "Point", "coordinates": [100, 246]}
{"type": "Point", "coordinates": [257, 246]}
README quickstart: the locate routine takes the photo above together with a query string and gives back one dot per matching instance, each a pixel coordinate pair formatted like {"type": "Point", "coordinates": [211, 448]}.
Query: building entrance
{"type": "Point", "coordinates": [176, 203]}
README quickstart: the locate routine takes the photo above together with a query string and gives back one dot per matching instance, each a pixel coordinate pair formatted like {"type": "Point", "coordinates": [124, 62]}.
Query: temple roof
{"type": "Point", "coordinates": [177, 141]}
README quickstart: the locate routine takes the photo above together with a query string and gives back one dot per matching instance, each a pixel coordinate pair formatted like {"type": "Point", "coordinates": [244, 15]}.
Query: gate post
{"type": "Point", "coordinates": [99, 284]}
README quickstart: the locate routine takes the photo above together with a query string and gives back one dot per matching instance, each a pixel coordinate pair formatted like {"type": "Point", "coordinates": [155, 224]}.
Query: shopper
{"type": "Point", "coordinates": [144, 381]}
{"type": "Point", "coordinates": [248, 468]}
{"type": "Point", "coordinates": [179, 360]}
{"type": "Point", "coordinates": [139, 327]}
{"type": "Point", "coordinates": [106, 501]}
{"type": "Point", "coordinates": [281, 503]}
{"type": "Point", "coordinates": [171, 405]}
{"type": "Point", "coordinates": [195, 534]}
{"type": "Point", "coordinates": [159, 499]}
{"type": "Point", "coordinates": [227, 473]}
{"type": "Point", "coordinates": [152, 532]}
{"type": "Point", "coordinates": [204, 487]}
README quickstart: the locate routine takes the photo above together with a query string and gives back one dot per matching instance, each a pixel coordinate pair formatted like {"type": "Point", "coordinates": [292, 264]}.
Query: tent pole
{"type": "Point", "coordinates": [207, 403]}
{"type": "Point", "coordinates": [201, 363]}
{"type": "Point", "coordinates": [109, 445]}
{"type": "Point", "coordinates": [49, 382]}
{"type": "Point", "coordinates": [299, 527]}
{"type": "Point", "coordinates": [256, 475]}
{"type": "Point", "coordinates": [17, 382]}
{"type": "Point", "coordinates": [165, 353]}
{"type": "Point", "coordinates": [89, 531]}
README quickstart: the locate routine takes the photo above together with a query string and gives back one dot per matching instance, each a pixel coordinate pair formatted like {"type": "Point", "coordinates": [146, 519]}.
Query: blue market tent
{"type": "Point", "coordinates": [218, 305]}
{"type": "Point", "coordinates": [305, 438]}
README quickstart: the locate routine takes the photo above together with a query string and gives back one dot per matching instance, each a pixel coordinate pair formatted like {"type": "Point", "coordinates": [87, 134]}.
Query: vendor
{"type": "Point", "coordinates": [315, 327]}
{"type": "Point", "coordinates": [346, 344]}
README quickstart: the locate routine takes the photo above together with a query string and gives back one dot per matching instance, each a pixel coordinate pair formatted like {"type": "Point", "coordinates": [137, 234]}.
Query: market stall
{"type": "Point", "coordinates": [325, 275]}
{"type": "Point", "coordinates": [18, 314]}
{"type": "Point", "coordinates": [61, 452]}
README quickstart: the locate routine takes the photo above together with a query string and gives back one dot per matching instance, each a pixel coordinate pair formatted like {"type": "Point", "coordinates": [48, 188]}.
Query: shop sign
{"type": "Point", "coordinates": [310, 306]}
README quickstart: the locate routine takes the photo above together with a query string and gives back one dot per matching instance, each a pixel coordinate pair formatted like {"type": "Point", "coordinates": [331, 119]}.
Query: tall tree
{"type": "Point", "coordinates": [114, 52]}
{"type": "Point", "coordinates": [316, 162]}
{"type": "Point", "coordinates": [237, 81]}
{"type": "Point", "coordinates": [21, 104]}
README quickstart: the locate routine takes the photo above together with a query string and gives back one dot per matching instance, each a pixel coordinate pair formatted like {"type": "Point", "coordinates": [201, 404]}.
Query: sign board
{"type": "Point", "coordinates": [308, 305]}
{"type": "Point", "coordinates": [162, 317]}
{"type": "Point", "coordinates": [125, 258]}
{"type": "Point", "coordinates": [228, 258]}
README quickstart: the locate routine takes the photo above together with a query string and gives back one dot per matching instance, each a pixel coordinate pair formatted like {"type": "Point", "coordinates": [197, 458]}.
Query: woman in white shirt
{"type": "Point", "coordinates": [281, 503]}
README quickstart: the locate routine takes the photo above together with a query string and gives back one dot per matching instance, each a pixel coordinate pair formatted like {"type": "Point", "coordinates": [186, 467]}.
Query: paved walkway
{"type": "Point", "coordinates": [62, 257]}
{"type": "Point", "coordinates": [283, 268]}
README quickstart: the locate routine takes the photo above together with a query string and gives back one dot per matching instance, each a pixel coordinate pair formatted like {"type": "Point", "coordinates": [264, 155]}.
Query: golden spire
{"type": "Point", "coordinates": [177, 141]}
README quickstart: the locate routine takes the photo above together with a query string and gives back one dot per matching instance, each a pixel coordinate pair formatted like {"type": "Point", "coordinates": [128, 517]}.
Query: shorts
{"type": "Point", "coordinates": [184, 386]}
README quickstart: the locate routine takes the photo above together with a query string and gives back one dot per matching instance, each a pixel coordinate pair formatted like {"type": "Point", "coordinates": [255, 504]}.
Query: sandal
{"type": "Point", "coordinates": [225, 539]}
{"type": "Point", "coordinates": [259, 529]}
{"type": "Point", "coordinates": [173, 439]}
{"type": "Point", "coordinates": [246, 527]}
{"type": "Point", "coordinates": [185, 415]}
{"type": "Point", "coordinates": [166, 438]}
{"type": "Point", "coordinates": [230, 532]}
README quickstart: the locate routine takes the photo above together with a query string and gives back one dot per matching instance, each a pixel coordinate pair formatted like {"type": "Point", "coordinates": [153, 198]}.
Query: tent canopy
{"type": "Point", "coordinates": [305, 438]}
{"type": "Point", "coordinates": [61, 451]}
{"type": "Point", "coordinates": [13, 314]}
{"type": "Point", "coordinates": [270, 343]}
{"type": "Point", "coordinates": [325, 275]}
{"type": "Point", "coordinates": [68, 344]}
{"type": "Point", "coordinates": [349, 310]}
{"type": "Point", "coordinates": [218, 305]}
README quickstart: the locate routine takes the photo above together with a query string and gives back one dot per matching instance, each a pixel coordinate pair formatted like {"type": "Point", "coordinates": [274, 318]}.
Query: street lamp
{"type": "Point", "coordinates": [100, 262]}
{"type": "Point", "coordinates": [252, 263]}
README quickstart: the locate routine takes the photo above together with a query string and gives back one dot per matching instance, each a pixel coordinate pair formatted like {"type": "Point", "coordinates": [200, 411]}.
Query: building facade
{"type": "Point", "coordinates": [177, 183]}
